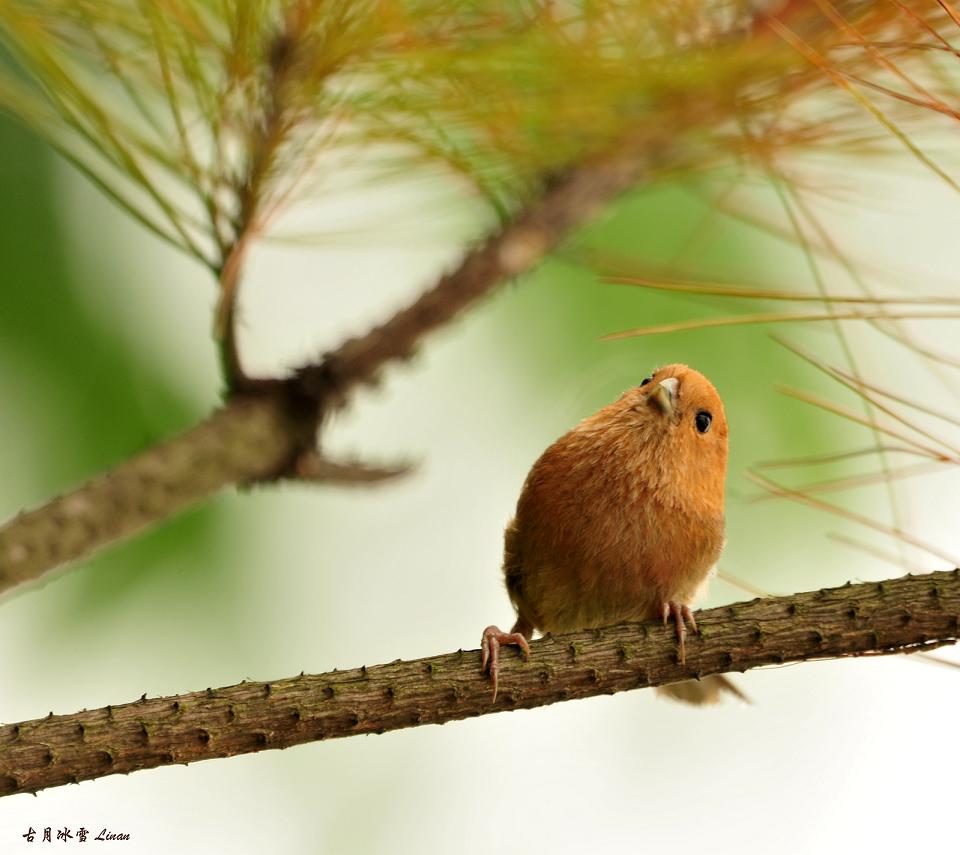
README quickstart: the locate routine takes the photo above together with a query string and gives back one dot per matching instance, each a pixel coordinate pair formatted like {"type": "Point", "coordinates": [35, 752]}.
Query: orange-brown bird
{"type": "Point", "coordinates": [621, 519]}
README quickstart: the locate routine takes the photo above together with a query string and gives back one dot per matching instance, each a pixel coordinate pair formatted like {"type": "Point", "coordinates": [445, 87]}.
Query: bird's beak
{"type": "Point", "coordinates": [664, 394]}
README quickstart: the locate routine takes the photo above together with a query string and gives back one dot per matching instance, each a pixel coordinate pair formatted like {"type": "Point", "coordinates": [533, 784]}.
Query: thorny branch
{"type": "Point", "coordinates": [908, 614]}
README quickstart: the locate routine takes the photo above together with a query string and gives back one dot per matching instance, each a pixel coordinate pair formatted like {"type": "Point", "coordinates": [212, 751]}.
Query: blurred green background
{"type": "Point", "coordinates": [105, 348]}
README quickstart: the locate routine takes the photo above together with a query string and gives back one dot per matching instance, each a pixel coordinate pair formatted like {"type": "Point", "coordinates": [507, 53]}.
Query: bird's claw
{"type": "Point", "coordinates": [680, 613]}
{"type": "Point", "coordinates": [493, 637]}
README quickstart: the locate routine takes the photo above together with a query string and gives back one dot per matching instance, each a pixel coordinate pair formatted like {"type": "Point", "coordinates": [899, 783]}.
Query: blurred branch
{"type": "Point", "coordinates": [909, 614]}
{"type": "Point", "coordinates": [264, 429]}
{"type": "Point", "coordinates": [254, 436]}
{"type": "Point", "coordinates": [564, 151]}
{"type": "Point", "coordinates": [569, 201]}
{"type": "Point", "coordinates": [313, 466]}
{"type": "Point", "coordinates": [268, 140]}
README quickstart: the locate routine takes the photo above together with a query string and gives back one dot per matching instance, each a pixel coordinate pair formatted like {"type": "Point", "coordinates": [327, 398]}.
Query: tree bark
{"type": "Point", "coordinates": [900, 615]}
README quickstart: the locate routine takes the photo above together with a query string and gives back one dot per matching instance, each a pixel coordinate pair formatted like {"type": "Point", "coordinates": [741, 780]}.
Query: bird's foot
{"type": "Point", "coordinates": [493, 637]}
{"type": "Point", "coordinates": [680, 613]}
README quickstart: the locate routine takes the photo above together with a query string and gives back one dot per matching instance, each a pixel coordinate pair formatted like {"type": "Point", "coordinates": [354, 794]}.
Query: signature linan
{"type": "Point", "coordinates": [82, 835]}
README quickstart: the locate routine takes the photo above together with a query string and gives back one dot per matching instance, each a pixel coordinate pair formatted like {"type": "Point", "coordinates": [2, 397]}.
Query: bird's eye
{"type": "Point", "coordinates": [702, 421]}
{"type": "Point", "coordinates": [647, 380]}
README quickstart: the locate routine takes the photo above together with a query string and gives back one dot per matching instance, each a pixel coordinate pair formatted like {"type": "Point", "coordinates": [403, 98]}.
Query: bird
{"type": "Point", "coordinates": [620, 519]}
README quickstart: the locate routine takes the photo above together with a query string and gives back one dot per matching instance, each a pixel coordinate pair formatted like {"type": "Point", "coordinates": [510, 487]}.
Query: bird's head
{"type": "Point", "coordinates": [672, 430]}
{"type": "Point", "coordinates": [683, 403]}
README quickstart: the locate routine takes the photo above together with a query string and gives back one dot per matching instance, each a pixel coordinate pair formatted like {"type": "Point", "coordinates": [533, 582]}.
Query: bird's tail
{"type": "Point", "coordinates": [709, 690]}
